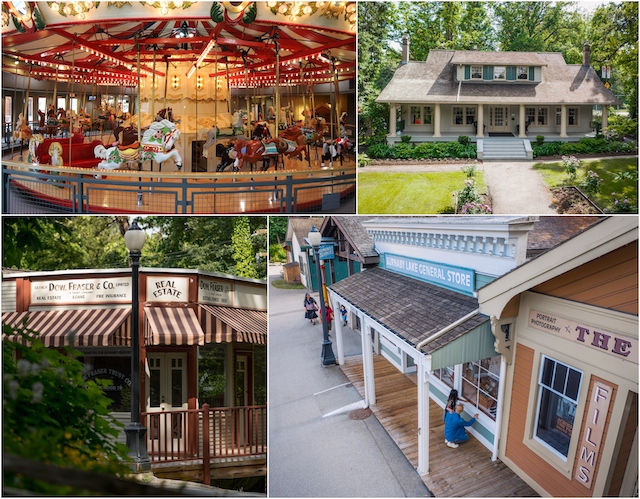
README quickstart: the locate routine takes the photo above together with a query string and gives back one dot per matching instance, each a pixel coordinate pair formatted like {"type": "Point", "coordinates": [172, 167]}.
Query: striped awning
{"type": "Point", "coordinates": [228, 325]}
{"type": "Point", "coordinates": [172, 326]}
{"type": "Point", "coordinates": [81, 328]}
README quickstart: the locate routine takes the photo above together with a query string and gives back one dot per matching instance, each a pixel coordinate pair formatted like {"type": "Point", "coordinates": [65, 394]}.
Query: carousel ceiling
{"type": "Point", "coordinates": [255, 44]}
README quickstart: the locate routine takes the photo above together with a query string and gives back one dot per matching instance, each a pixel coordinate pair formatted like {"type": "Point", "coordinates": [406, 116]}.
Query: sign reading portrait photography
{"type": "Point", "coordinates": [456, 278]}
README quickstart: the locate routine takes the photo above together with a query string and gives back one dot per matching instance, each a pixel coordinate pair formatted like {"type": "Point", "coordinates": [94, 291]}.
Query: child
{"type": "Point", "coordinates": [343, 314]}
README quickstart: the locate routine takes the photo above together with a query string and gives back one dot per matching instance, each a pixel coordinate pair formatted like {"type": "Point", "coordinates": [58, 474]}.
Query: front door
{"type": "Point", "coordinates": [167, 392]}
{"type": "Point", "coordinates": [498, 119]}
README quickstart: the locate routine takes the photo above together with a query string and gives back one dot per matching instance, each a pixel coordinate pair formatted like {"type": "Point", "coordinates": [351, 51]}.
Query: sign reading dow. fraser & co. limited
{"type": "Point", "coordinates": [93, 290]}
{"type": "Point", "coordinates": [215, 292]}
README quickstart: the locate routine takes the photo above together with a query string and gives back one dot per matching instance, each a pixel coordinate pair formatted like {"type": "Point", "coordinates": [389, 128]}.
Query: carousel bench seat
{"type": "Point", "coordinates": [82, 154]}
{"type": "Point", "coordinates": [43, 148]}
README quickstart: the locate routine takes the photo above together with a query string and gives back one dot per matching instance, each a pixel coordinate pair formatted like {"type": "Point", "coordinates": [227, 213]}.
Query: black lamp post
{"type": "Point", "coordinates": [327, 356]}
{"type": "Point", "coordinates": [135, 431]}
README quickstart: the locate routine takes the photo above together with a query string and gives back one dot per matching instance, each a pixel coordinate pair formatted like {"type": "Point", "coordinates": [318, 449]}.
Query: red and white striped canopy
{"type": "Point", "coordinates": [228, 325]}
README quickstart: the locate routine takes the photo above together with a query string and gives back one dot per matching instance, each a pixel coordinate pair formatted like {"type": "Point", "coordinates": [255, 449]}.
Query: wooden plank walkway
{"type": "Point", "coordinates": [465, 471]}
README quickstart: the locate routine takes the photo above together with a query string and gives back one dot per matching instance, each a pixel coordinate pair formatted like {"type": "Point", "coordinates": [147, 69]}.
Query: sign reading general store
{"type": "Point", "coordinates": [616, 345]}
{"type": "Point", "coordinates": [457, 278]}
{"type": "Point", "coordinates": [94, 290]}
{"type": "Point", "coordinates": [214, 291]}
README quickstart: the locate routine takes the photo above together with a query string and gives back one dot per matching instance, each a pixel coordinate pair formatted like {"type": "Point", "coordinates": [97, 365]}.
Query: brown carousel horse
{"type": "Point", "coordinates": [63, 121]}
{"type": "Point", "coordinates": [253, 151]}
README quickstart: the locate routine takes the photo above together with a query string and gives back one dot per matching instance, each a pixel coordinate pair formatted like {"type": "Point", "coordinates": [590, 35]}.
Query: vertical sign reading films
{"type": "Point", "coordinates": [215, 292]}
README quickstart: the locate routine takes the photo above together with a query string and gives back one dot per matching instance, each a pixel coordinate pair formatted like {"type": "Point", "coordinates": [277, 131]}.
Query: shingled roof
{"type": "Point", "coordinates": [357, 234]}
{"type": "Point", "coordinates": [434, 81]}
{"type": "Point", "coordinates": [411, 309]}
{"type": "Point", "coordinates": [302, 225]}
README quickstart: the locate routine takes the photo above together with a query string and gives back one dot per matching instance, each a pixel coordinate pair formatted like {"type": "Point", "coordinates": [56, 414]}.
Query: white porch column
{"type": "Point", "coordinates": [424, 368]}
{"type": "Point", "coordinates": [563, 120]}
{"type": "Point", "coordinates": [436, 122]}
{"type": "Point", "coordinates": [392, 120]}
{"type": "Point", "coordinates": [480, 132]}
{"type": "Point", "coordinates": [522, 121]}
{"type": "Point", "coordinates": [499, 409]}
{"type": "Point", "coordinates": [605, 116]}
{"type": "Point", "coordinates": [367, 364]}
{"type": "Point", "coordinates": [339, 337]}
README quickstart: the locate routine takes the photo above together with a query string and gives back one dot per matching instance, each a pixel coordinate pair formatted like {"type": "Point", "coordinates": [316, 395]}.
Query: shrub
{"type": "Point", "coordinates": [463, 139]}
{"type": "Point", "coordinates": [277, 254]}
{"type": "Point", "coordinates": [405, 139]}
{"type": "Point", "coordinates": [363, 160]}
{"type": "Point", "coordinates": [539, 139]}
{"type": "Point", "coordinates": [622, 126]}
{"type": "Point", "coordinates": [380, 151]}
{"type": "Point", "coordinates": [469, 194]}
{"type": "Point", "coordinates": [475, 209]}
{"type": "Point", "coordinates": [470, 170]}
{"type": "Point", "coordinates": [591, 183]}
{"type": "Point", "coordinates": [571, 165]}
{"type": "Point", "coordinates": [621, 204]}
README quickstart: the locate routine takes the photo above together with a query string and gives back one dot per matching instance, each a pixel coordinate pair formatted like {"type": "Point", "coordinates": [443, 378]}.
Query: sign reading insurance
{"type": "Point", "coordinates": [457, 278]}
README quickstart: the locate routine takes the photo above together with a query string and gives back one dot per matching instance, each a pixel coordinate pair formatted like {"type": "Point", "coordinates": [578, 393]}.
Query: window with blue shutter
{"type": "Point", "coordinates": [532, 73]}
{"type": "Point", "coordinates": [511, 73]}
{"type": "Point", "coordinates": [487, 73]}
{"type": "Point", "coordinates": [467, 72]}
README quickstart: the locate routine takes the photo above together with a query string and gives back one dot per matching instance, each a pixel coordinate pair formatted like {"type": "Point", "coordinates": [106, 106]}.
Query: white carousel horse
{"type": "Point", "coordinates": [22, 131]}
{"type": "Point", "coordinates": [34, 142]}
{"type": "Point", "coordinates": [237, 128]}
{"type": "Point", "coordinates": [156, 145]}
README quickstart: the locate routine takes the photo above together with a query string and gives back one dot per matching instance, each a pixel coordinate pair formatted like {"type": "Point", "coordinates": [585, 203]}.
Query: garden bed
{"type": "Point", "coordinates": [571, 200]}
{"type": "Point", "coordinates": [402, 162]}
{"type": "Point", "coordinates": [558, 157]}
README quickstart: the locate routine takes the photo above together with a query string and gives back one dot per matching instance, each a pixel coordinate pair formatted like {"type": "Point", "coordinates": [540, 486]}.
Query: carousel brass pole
{"type": "Point", "coordinates": [153, 87]}
{"type": "Point", "coordinates": [70, 121]}
{"type": "Point", "coordinates": [228, 87]}
{"type": "Point", "coordinates": [26, 103]}
{"type": "Point", "coordinates": [277, 89]}
{"type": "Point", "coordinates": [247, 97]}
{"type": "Point", "coordinates": [304, 96]}
{"type": "Point", "coordinates": [336, 97]}
{"type": "Point", "coordinates": [55, 91]}
{"type": "Point", "coordinates": [215, 103]}
{"type": "Point", "coordinates": [139, 125]}
{"type": "Point", "coordinates": [166, 80]}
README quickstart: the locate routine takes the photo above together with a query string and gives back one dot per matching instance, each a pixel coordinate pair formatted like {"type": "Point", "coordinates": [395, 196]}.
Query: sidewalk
{"type": "Point", "coordinates": [315, 456]}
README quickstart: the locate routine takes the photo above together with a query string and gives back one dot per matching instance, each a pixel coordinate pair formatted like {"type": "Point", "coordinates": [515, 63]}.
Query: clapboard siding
{"type": "Point", "coordinates": [8, 296]}
{"type": "Point", "coordinates": [608, 282]}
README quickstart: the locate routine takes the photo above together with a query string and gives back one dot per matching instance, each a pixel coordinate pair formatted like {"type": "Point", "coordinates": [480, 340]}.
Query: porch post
{"type": "Point", "coordinates": [605, 116]}
{"type": "Point", "coordinates": [367, 364]}
{"type": "Point", "coordinates": [522, 121]}
{"type": "Point", "coordinates": [392, 119]}
{"type": "Point", "coordinates": [436, 122]}
{"type": "Point", "coordinates": [480, 132]}
{"type": "Point", "coordinates": [563, 120]}
{"type": "Point", "coordinates": [499, 409]}
{"type": "Point", "coordinates": [424, 367]}
{"type": "Point", "coordinates": [339, 337]}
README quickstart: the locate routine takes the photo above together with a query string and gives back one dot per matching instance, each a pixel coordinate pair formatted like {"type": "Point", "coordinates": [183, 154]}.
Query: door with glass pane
{"type": "Point", "coordinates": [498, 119]}
{"type": "Point", "coordinates": [167, 393]}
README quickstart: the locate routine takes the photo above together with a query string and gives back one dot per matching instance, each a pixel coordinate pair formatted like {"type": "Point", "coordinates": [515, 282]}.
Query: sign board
{"type": "Point", "coordinates": [168, 289]}
{"type": "Point", "coordinates": [215, 292]}
{"type": "Point", "coordinates": [326, 252]}
{"type": "Point", "coordinates": [613, 344]}
{"type": "Point", "coordinates": [93, 290]}
{"type": "Point", "coordinates": [449, 276]}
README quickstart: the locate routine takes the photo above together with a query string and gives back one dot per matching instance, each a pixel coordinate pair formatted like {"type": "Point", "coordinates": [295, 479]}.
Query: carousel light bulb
{"type": "Point", "coordinates": [307, 10]}
{"type": "Point", "coordinates": [164, 11]}
{"type": "Point", "coordinates": [320, 4]}
{"type": "Point", "coordinates": [81, 15]}
{"type": "Point", "coordinates": [351, 7]}
{"type": "Point", "coordinates": [282, 9]}
{"type": "Point", "coordinates": [295, 10]}
{"type": "Point", "coordinates": [352, 17]}
{"type": "Point", "coordinates": [66, 10]}
{"type": "Point", "coordinates": [178, 3]}
{"type": "Point", "coordinates": [271, 4]}
{"type": "Point", "coordinates": [55, 6]}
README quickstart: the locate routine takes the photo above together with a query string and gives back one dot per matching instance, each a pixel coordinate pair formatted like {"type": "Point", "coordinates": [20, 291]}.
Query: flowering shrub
{"type": "Point", "coordinates": [51, 414]}
{"type": "Point", "coordinates": [621, 204]}
{"type": "Point", "coordinates": [470, 170]}
{"type": "Point", "coordinates": [571, 165]}
{"type": "Point", "coordinates": [475, 209]}
{"type": "Point", "coordinates": [591, 183]}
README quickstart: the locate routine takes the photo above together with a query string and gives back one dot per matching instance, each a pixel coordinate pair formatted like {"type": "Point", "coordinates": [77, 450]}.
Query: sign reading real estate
{"type": "Point", "coordinates": [93, 290]}
{"type": "Point", "coordinates": [214, 291]}
{"type": "Point", "coordinates": [616, 345]}
{"type": "Point", "coordinates": [168, 289]}
{"type": "Point", "coordinates": [457, 278]}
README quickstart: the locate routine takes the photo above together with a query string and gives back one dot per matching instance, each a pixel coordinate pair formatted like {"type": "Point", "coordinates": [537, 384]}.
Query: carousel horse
{"type": "Point", "coordinates": [22, 130]}
{"type": "Point", "coordinates": [291, 142]}
{"type": "Point", "coordinates": [156, 145]}
{"type": "Point", "coordinates": [63, 120]}
{"type": "Point", "coordinates": [237, 121]}
{"type": "Point", "coordinates": [285, 114]}
{"type": "Point", "coordinates": [261, 132]}
{"type": "Point", "coordinates": [224, 153]}
{"type": "Point", "coordinates": [329, 152]}
{"type": "Point", "coordinates": [166, 114]}
{"type": "Point", "coordinates": [34, 142]}
{"type": "Point", "coordinates": [253, 151]}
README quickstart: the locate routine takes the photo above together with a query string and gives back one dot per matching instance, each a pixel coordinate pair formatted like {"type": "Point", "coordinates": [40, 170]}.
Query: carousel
{"type": "Point", "coordinates": [178, 107]}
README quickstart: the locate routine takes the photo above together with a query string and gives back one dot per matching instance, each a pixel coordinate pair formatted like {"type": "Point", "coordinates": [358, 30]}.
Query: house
{"type": "Point", "coordinates": [489, 96]}
{"type": "Point", "coordinates": [419, 308]}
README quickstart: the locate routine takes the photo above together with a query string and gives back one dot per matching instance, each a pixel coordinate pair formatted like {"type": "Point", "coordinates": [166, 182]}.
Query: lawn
{"type": "Point", "coordinates": [554, 175]}
{"type": "Point", "coordinates": [411, 193]}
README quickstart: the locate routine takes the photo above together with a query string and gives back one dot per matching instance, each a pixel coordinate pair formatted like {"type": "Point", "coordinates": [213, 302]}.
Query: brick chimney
{"type": "Point", "coordinates": [586, 54]}
{"type": "Point", "coordinates": [405, 50]}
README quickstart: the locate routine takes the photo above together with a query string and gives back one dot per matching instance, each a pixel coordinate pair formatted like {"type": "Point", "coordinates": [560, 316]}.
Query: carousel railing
{"type": "Point", "coordinates": [47, 189]}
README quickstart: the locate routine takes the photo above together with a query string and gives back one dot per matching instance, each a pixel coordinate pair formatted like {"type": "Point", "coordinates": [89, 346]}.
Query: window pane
{"type": "Point", "coordinates": [555, 421]}
{"type": "Point", "coordinates": [547, 372]}
{"type": "Point", "coordinates": [522, 73]}
{"type": "Point", "coordinates": [573, 384]}
{"type": "Point", "coordinates": [176, 387]}
{"type": "Point", "coordinates": [560, 378]}
{"type": "Point", "coordinates": [211, 375]}
{"type": "Point", "coordinates": [476, 72]}
{"type": "Point", "coordinates": [154, 386]}
{"type": "Point", "coordinates": [499, 72]}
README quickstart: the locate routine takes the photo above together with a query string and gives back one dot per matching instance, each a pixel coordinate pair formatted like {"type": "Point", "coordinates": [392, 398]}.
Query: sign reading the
{"type": "Point", "coordinates": [457, 278]}
{"type": "Point", "coordinates": [604, 341]}
{"type": "Point", "coordinates": [167, 289]}
{"type": "Point", "coordinates": [597, 409]}
{"type": "Point", "coordinates": [214, 292]}
{"type": "Point", "coordinates": [95, 290]}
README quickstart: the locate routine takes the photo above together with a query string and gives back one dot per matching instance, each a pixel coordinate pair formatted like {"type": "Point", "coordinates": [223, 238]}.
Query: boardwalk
{"type": "Point", "coordinates": [466, 471]}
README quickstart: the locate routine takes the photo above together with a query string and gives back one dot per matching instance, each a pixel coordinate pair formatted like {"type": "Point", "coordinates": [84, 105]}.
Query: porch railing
{"type": "Point", "coordinates": [206, 433]}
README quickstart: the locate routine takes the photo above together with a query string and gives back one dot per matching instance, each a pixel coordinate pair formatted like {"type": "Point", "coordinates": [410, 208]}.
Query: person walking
{"type": "Point", "coordinates": [328, 316]}
{"type": "Point", "coordinates": [310, 308]}
{"type": "Point", "coordinates": [343, 315]}
{"type": "Point", "coordinates": [454, 427]}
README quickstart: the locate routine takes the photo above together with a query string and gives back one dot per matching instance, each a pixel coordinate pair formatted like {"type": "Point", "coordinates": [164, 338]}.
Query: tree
{"type": "Point", "coordinates": [243, 252]}
{"type": "Point", "coordinates": [277, 229]}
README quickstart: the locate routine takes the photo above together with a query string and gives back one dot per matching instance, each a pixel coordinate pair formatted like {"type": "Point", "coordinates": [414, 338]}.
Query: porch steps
{"type": "Point", "coordinates": [504, 148]}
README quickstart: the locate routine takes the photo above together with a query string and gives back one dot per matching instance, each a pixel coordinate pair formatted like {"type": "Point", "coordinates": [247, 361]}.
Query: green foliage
{"type": "Point", "coordinates": [52, 415]}
{"type": "Point", "coordinates": [277, 229]}
{"type": "Point", "coordinates": [379, 151]}
{"type": "Point", "coordinates": [583, 146]}
{"type": "Point", "coordinates": [277, 254]}
{"type": "Point", "coordinates": [424, 150]}
{"type": "Point", "coordinates": [468, 194]}
{"type": "Point", "coordinates": [470, 169]}
{"type": "Point", "coordinates": [463, 139]}
{"type": "Point", "coordinates": [243, 252]}
{"type": "Point", "coordinates": [591, 183]}
{"type": "Point", "coordinates": [363, 160]}
{"type": "Point", "coordinates": [405, 139]}
{"type": "Point", "coordinates": [571, 165]}
{"type": "Point", "coordinates": [622, 126]}
{"type": "Point", "coordinates": [539, 139]}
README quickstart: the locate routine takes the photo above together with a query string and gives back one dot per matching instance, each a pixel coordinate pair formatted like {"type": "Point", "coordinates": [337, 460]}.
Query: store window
{"type": "Point", "coordinates": [428, 115]}
{"type": "Point", "coordinates": [537, 115]}
{"type": "Point", "coordinates": [470, 115]}
{"type": "Point", "coordinates": [116, 370]}
{"type": "Point", "coordinates": [458, 116]}
{"type": "Point", "coordinates": [446, 375]}
{"type": "Point", "coordinates": [572, 116]}
{"type": "Point", "coordinates": [415, 115]}
{"type": "Point", "coordinates": [480, 381]}
{"type": "Point", "coordinates": [558, 391]}
{"type": "Point", "coordinates": [212, 379]}
{"type": "Point", "coordinates": [542, 116]}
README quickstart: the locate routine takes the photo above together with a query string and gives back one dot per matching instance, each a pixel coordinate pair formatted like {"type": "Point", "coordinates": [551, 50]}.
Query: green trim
{"type": "Point", "coordinates": [395, 357]}
{"type": "Point", "coordinates": [511, 73]}
{"type": "Point", "coordinates": [487, 73]}
{"type": "Point", "coordinates": [467, 72]}
{"type": "Point", "coordinates": [532, 73]}
{"type": "Point", "coordinates": [473, 345]}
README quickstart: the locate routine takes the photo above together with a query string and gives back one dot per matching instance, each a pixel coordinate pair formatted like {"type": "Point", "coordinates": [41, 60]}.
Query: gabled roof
{"type": "Point", "coordinates": [549, 231]}
{"type": "Point", "coordinates": [357, 235]}
{"type": "Point", "coordinates": [434, 81]}
{"type": "Point", "coordinates": [300, 227]}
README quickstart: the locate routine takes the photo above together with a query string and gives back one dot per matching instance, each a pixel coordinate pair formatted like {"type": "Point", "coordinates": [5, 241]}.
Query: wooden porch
{"type": "Point", "coordinates": [465, 471]}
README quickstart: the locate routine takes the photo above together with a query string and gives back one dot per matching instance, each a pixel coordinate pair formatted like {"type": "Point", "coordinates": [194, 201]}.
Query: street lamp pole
{"type": "Point", "coordinates": [327, 357]}
{"type": "Point", "coordinates": [135, 431]}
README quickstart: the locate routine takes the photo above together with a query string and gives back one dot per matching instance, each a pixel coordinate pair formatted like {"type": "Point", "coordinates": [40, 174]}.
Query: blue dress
{"type": "Point", "coordinates": [454, 426]}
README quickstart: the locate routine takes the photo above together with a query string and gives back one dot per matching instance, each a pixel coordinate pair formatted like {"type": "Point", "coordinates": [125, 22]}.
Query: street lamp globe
{"type": "Point", "coordinates": [314, 237]}
{"type": "Point", "coordinates": [135, 237]}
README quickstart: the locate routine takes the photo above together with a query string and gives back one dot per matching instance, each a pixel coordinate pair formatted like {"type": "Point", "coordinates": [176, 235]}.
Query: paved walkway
{"type": "Point", "coordinates": [315, 456]}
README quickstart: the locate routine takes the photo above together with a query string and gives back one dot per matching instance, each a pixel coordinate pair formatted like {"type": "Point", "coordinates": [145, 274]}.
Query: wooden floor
{"type": "Point", "coordinates": [465, 471]}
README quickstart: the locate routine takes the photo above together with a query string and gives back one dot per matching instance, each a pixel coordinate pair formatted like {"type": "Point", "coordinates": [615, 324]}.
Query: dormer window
{"type": "Point", "coordinates": [499, 73]}
{"type": "Point", "coordinates": [522, 73]}
{"type": "Point", "coordinates": [476, 72]}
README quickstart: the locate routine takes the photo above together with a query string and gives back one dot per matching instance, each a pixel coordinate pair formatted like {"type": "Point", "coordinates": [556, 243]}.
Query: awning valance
{"type": "Point", "coordinates": [82, 328]}
{"type": "Point", "coordinates": [172, 326]}
{"type": "Point", "coordinates": [228, 325]}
